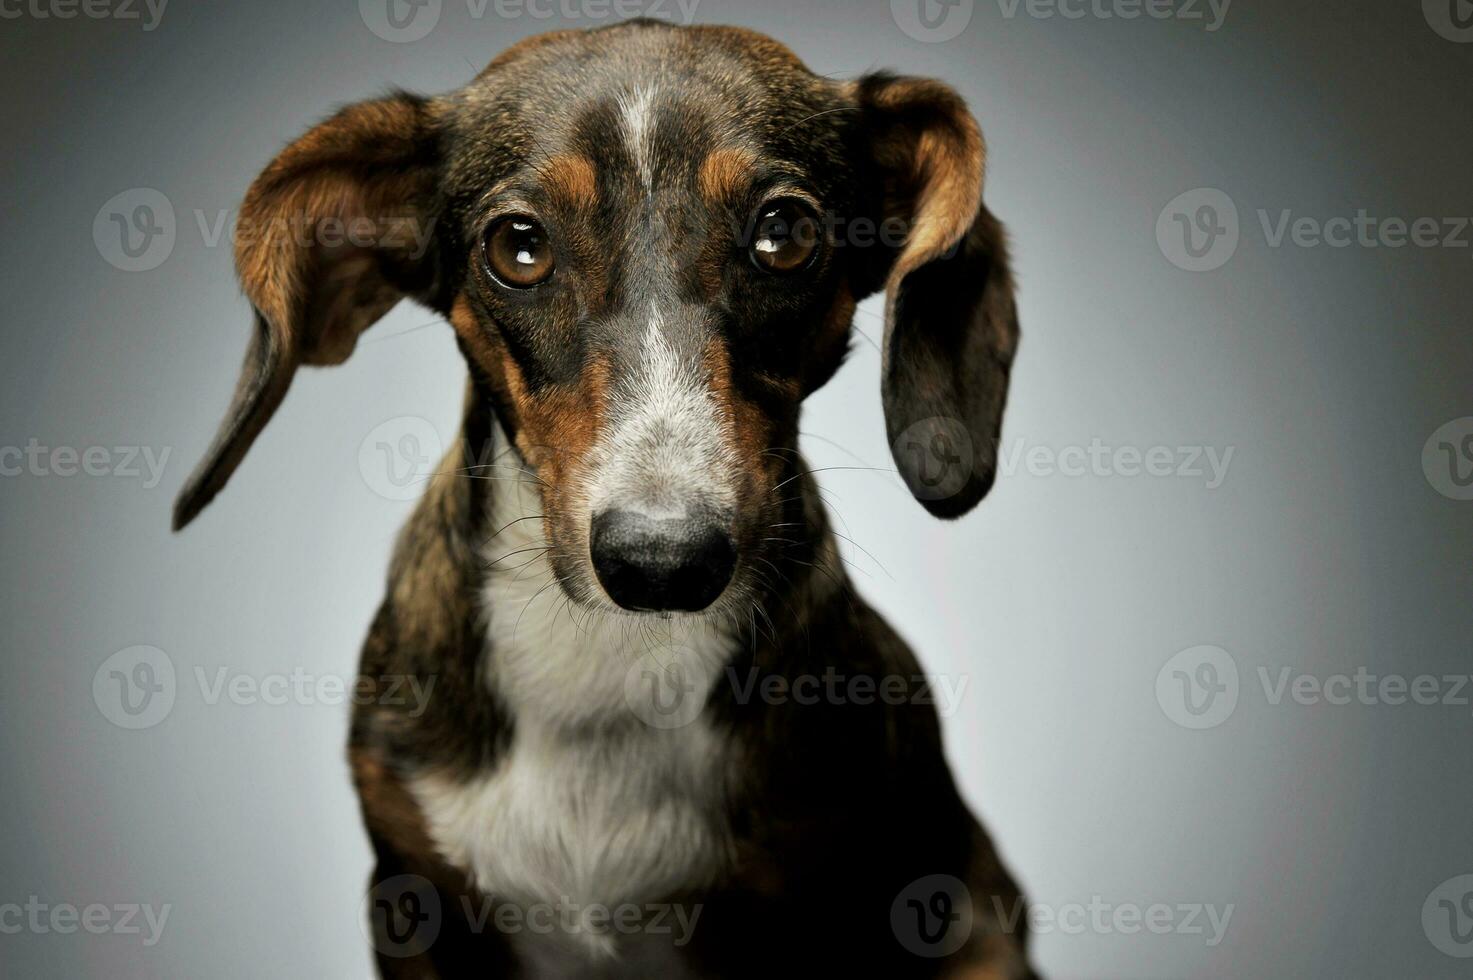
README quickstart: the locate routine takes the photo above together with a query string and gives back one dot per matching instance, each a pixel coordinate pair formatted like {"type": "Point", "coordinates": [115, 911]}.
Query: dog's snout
{"type": "Point", "coordinates": [661, 564]}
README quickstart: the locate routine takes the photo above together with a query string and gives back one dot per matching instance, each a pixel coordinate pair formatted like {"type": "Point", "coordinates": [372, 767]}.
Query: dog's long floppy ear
{"type": "Point", "coordinates": [331, 235]}
{"type": "Point", "coordinates": [950, 323]}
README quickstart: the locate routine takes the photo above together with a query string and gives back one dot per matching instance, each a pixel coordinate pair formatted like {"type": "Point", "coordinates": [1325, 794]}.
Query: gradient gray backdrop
{"type": "Point", "coordinates": [1325, 549]}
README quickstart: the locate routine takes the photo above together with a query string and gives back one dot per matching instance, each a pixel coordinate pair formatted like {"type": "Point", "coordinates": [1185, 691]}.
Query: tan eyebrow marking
{"type": "Point", "coordinates": [725, 172]}
{"type": "Point", "coordinates": [570, 179]}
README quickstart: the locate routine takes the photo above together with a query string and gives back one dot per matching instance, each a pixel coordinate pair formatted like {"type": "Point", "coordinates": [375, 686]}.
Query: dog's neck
{"type": "Point", "coordinates": [579, 752]}
{"type": "Point", "coordinates": [602, 794]}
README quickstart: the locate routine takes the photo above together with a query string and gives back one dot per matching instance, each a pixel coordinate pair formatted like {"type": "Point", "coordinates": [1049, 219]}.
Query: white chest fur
{"type": "Point", "coordinates": [591, 804]}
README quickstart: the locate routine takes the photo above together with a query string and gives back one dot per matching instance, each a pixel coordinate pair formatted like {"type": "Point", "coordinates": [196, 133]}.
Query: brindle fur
{"type": "Point", "coordinates": [832, 808]}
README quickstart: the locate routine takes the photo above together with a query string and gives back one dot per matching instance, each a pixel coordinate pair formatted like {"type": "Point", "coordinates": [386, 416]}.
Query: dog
{"type": "Point", "coordinates": [650, 241]}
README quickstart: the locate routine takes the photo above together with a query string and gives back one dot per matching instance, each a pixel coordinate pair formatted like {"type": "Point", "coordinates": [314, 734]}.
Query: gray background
{"type": "Point", "coordinates": [1325, 549]}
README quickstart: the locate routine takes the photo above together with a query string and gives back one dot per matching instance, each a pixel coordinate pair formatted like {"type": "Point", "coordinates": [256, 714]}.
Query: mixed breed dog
{"type": "Point", "coordinates": [633, 239]}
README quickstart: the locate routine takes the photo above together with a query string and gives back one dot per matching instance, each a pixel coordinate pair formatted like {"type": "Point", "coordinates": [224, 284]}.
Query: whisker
{"type": "Point", "coordinates": [852, 455]}
{"type": "Point", "coordinates": [529, 517]}
{"type": "Point", "coordinates": [825, 112]}
{"type": "Point", "coordinates": [520, 551]}
{"type": "Point", "coordinates": [826, 469]}
{"type": "Point", "coordinates": [866, 551]}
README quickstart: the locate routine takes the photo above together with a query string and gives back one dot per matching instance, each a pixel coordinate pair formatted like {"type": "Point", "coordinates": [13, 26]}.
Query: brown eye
{"type": "Point", "coordinates": [785, 236]}
{"type": "Point", "coordinates": [517, 252]}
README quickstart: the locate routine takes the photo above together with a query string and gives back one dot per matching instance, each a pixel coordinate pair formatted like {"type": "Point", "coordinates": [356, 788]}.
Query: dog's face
{"type": "Point", "coordinates": [650, 242]}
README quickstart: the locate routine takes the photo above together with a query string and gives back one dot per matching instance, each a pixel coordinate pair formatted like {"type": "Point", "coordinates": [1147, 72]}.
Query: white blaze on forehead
{"type": "Point", "coordinates": [636, 111]}
{"type": "Point", "coordinates": [664, 451]}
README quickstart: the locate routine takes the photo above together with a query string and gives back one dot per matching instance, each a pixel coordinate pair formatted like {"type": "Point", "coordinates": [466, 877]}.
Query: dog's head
{"type": "Point", "coordinates": [650, 241]}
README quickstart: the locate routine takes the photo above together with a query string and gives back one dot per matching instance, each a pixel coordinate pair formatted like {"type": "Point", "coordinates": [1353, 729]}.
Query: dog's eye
{"type": "Point", "coordinates": [785, 236]}
{"type": "Point", "coordinates": [517, 252]}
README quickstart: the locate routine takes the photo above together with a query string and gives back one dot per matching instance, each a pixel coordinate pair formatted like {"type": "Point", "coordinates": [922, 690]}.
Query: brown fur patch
{"type": "Point", "coordinates": [570, 179]}
{"type": "Point", "coordinates": [388, 808]}
{"type": "Point", "coordinates": [935, 144]}
{"type": "Point", "coordinates": [724, 173]}
{"type": "Point", "coordinates": [562, 424]}
{"type": "Point", "coordinates": [436, 572]}
{"type": "Point", "coordinates": [484, 349]}
{"type": "Point", "coordinates": [995, 957]}
{"type": "Point", "coordinates": [286, 258]}
{"type": "Point", "coordinates": [555, 427]}
{"type": "Point", "coordinates": [747, 429]}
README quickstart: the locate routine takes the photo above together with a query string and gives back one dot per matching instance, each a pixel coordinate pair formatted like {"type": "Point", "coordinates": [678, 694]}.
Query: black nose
{"type": "Point", "coordinates": [648, 563]}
